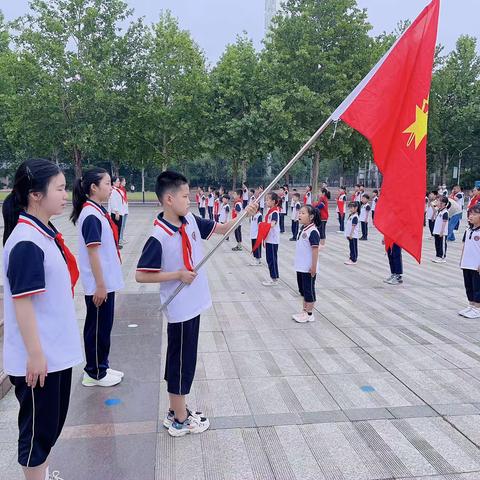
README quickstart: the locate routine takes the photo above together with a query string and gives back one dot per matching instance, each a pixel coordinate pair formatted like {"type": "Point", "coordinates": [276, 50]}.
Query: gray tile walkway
{"type": "Point", "coordinates": [384, 385]}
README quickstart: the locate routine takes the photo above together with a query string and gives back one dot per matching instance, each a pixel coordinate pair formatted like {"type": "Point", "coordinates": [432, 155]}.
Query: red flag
{"type": "Point", "coordinates": [390, 108]}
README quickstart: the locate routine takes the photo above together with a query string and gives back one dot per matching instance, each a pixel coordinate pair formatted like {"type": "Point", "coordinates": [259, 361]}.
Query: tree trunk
{"type": "Point", "coordinates": [235, 173]}
{"type": "Point", "coordinates": [77, 158]}
{"type": "Point", "coordinates": [115, 168]}
{"type": "Point", "coordinates": [315, 169]}
{"type": "Point", "coordinates": [244, 171]}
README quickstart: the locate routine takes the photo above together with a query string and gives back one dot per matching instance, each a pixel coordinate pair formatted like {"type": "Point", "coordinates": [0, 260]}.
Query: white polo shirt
{"type": "Point", "coordinates": [308, 198]}
{"type": "Point", "coordinates": [274, 233]}
{"type": "Point", "coordinates": [442, 216]}
{"type": "Point", "coordinates": [115, 202]}
{"type": "Point", "coordinates": [94, 229]}
{"type": "Point", "coordinates": [163, 252]}
{"type": "Point", "coordinates": [34, 266]}
{"type": "Point", "coordinates": [364, 211]}
{"type": "Point", "coordinates": [285, 204]}
{"type": "Point", "coordinates": [308, 238]}
{"type": "Point", "coordinates": [374, 203]}
{"type": "Point", "coordinates": [245, 194]}
{"type": "Point", "coordinates": [224, 213]}
{"type": "Point", "coordinates": [203, 201]}
{"type": "Point", "coordinates": [295, 211]}
{"type": "Point", "coordinates": [471, 249]}
{"type": "Point", "coordinates": [352, 220]}
{"type": "Point", "coordinates": [211, 199]}
{"type": "Point", "coordinates": [256, 219]}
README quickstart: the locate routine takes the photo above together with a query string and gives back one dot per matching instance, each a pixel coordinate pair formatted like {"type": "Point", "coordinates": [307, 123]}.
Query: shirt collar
{"type": "Point", "coordinates": [101, 207]}
{"type": "Point", "coordinates": [167, 224]}
{"type": "Point", "coordinates": [49, 231]}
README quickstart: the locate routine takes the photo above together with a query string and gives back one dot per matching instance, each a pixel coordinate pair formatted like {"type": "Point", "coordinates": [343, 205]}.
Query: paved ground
{"type": "Point", "coordinates": [384, 385]}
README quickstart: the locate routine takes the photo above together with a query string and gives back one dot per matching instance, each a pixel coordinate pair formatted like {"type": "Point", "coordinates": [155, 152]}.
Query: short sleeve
{"type": "Point", "coordinates": [92, 231]}
{"type": "Point", "coordinates": [26, 277]}
{"type": "Point", "coordinates": [260, 219]}
{"type": "Point", "coordinates": [314, 239]}
{"type": "Point", "coordinates": [445, 216]}
{"type": "Point", "coordinates": [459, 196]}
{"type": "Point", "coordinates": [298, 207]}
{"type": "Point", "coordinates": [151, 258]}
{"type": "Point", "coordinates": [238, 208]}
{"type": "Point", "coordinates": [368, 208]}
{"type": "Point", "coordinates": [206, 227]}
{"type": "Point", "coordinates": [227, 208]}
{"type": "Point", "coordinates": [274, 217]}
{"type": "Point", "coordinates": [355, 221]}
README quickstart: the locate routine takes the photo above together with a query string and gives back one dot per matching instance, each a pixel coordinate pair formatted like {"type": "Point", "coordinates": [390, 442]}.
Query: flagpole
{"type": "Point", "coordinates": [239, 219]}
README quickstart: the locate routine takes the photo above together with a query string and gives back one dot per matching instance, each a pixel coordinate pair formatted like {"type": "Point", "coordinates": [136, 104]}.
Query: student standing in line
{"type": "Point", "coordinates": [115, 206]}
{"type": "Point", "coordinates": [169, 257]}
{"type": "Point", "coordinates": [440, 231]}
{"type": "Point", "coordinates": [41, 338]}
{"type": "Point", "coordinates": [123, 191]}
{"type": "Point", "coordinates": [101, 273]}
{"type": "Point", "coordinates": [470, 264]}
{"type": "Point", "coordinates": [306, 261]}
{"type": "Point", "coordinates": [351, 232]}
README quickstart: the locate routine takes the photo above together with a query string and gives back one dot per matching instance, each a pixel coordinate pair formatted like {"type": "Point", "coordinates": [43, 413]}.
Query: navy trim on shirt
{"type": "Point", "coordinates": [151, 258]}
{"type": "Point", "coordinates": [314, 239]}
{"type": "Point", "coordinates": [92, 230]}
{"type": "Point", "coordinates": [26, 277]}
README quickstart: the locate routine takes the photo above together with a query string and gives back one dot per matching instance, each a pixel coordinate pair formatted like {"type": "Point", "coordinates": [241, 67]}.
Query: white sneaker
{"type": "Point", "coordinates": [255, 264]}
{"type": "Point", "coordinates": [465, 310]}
{"type": "Point", "coordinates": [304, 317]}
{"type": "Point", "coordinates": [55, 475]}
{"type": "Point", "coordinates": [473, 313]}
{"type": "Point", "coordinates": [192, 424]}
{"type": "Point", "coordinates": [349, 262]}
{"type": "Point", "coordinates": [108, 380]}
{"type": "Point", "coordinates": [298, 315]}
{"type": "Point", "coordinates": [117, 373]}
{"type": "Point", "coordinates": [438, 260]}
{"type": "Point", "coordinates": [339, 231]}
{"type": "Point", "coordinates": [270, 283]}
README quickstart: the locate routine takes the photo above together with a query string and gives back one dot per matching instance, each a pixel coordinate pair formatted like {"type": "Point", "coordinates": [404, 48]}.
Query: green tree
{"type": "Point", "coordinates": [454, 108]}
{"type": "Point", "coordinates": [237, 129]}
{"type": "Point", "coordinates": [171, 105]}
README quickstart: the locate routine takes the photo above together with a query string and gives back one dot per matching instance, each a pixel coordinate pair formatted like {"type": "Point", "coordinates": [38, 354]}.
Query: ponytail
{"type": "Point", "coordinates": [11, 210]}
{"type": "Point", "coordinates": [32, 176]}
{"type": "Point", "coordinates": [81, 189]}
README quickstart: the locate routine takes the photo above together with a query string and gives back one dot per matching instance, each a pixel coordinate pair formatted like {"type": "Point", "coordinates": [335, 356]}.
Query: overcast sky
{"type": "Point", "coordinates": [215, 23]}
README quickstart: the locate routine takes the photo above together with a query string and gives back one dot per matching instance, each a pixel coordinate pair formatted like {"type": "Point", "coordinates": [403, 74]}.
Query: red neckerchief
{"type": "Point", "coordinates": [186, 248]}
{"type": "Point", "coordinates": [66, 253]}
{"type": "Point", "coordinates": [124, 192]}
{"type": "Point", "coordinates": [216, 206]}
{"type": "Point", "coordinates": [234, 211]}
{"type": "Point", "coordinates": [197, 198]}
{"type": "Point", "coordinates": [111, 223]}
{"type": "Point", "coordinates": [271, 212]}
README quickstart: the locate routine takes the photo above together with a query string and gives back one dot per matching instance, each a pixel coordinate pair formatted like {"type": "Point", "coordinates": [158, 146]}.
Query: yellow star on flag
{"type": "Point", "coordinates": [418, 129]}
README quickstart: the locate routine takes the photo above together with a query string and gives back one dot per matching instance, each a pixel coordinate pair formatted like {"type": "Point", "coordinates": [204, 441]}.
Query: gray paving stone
{"type": "Point", "coordinates": [412, 411]}
{"type": "Point", "coordinates": [323, 417]}
{"type": "Point", "coordinates": [457, 409]}
{"type": "Point", "coordinates": [239, 421]}
{"type": "Point", "coordinates": [274, 419]}
{"type": "Point", "coordinates": [357, 414]}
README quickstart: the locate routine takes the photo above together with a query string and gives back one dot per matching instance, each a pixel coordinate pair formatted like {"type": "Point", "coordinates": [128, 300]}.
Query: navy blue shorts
{"type": "Point", "coordinates": [181, 355]}
{"type": "Point", "coordinates": [471, 280]}
{"type": "Point", "coordinates": [306, 286]}
{"type": "Point", "coordinates": [42, 414]}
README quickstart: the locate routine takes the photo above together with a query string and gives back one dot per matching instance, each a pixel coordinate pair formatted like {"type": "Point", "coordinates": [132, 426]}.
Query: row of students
{"type": "Point", "coordinates": [367, 207]}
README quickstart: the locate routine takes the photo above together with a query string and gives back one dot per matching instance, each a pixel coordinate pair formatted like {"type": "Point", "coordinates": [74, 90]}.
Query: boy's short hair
{"type": "Point", "coordinates": [252, 190]}
{"type": "Point", "coordinates": [169, 181]}
{"type": "Point", "coordinates": [239, 192]}
{"type": "Point", "coordinates": [226, 196]}
{"type": "Point", "coordinates": [353, 205]}
{"type": "Point", "coordinates": [366, 195]}
{"type": "Point", "coordinates": [443, 199]}
{"type": "Point", "coordinates": [375, 191]}
{"type": "Point", "coordinates": [217, 193]}
{"type": "Point", "coordinates": [296, 195]}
